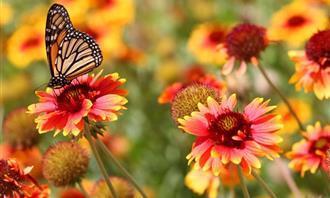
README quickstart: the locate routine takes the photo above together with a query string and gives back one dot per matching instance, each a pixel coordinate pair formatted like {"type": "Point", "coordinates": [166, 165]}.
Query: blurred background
{"type": "Point", "coordinates": [151, 44]}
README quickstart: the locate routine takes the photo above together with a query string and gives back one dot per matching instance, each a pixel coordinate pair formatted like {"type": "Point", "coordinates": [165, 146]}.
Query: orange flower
{"type": "Point", "coordinates": [117, 144]}
{"type": "Point", "coordinates": [225, 136]}
{"type": "Point", "coordinates": [303, 111]}
{"type": "Point", "coordinates": [78, 9]}
{"type": "Point", "coordinates": [296, 22]}
{"type": "Point", "coordinates": [204, 42]}
{"type": "Point", "coordinates": [243, 43]}
{"type": "Point", "coordinates": [310, 153]}
{"type": "Point", "coordinates": [313, 65]}
{"type": "Point", "coordinates": [112, 12]}
{"type": "Point", "coordinates": [98, 98]}
{"type": "Point", "coordinates": [26, 157]}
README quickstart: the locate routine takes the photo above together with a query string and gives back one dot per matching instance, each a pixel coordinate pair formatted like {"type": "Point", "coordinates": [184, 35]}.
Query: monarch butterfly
{"type": "Point", "coordinates": [70, 53]}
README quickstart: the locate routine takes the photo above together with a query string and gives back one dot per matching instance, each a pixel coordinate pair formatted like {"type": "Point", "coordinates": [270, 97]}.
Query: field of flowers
{"type": "Point", "coordinates": [192, 98]}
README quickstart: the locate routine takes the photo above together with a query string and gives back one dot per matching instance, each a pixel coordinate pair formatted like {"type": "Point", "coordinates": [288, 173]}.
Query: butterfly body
{"type": "Point", "coordinates": [70, 53]}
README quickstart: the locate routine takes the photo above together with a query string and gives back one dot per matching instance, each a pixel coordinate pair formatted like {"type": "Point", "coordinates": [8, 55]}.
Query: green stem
{"type": "Point", "coordinates": [122, 168]}
{"type": "Point", "coordinates": [82, 189]}
{"type": "Point", "coordinates": [263, 184]}
{"type": "Point", "coordinates": [242, 183]}
{"type": "Point", "coordinates": [99, 161]}
{"type": "Point", "coordinates": [282, 96]}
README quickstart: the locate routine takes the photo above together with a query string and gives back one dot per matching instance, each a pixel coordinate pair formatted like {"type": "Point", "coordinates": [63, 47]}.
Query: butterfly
{"type": "Point", "coordinates": [70, 53]}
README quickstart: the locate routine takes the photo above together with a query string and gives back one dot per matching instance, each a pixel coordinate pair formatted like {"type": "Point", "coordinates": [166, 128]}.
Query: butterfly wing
{"type": "Point", "coordinates": [58, 23]}
{"type": "Point", "coordinates": [78, 55]}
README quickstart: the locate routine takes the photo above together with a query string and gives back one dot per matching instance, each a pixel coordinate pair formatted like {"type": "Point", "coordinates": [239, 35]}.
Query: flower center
{"type": "Point", "coordinates": [215, 37]}
{"type": "Point", "coordinates": [318, 48]}
{"type": "Point", "coordinates": [320, 146]}
{"type": "Point", "coordinates": [31, 42]}
{"type": "Point", "coordinates": [296, 21]}
{"type": "Point", "coordinates": [230, 129]}
{"type": "Point", "coordinates": [246, 41]}
{"type": "Point", "coordinates": [72, 97]}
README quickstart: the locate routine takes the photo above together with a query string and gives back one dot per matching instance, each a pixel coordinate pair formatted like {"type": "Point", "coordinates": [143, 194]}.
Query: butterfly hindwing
{"type": "Point", "coordinates": [78, 54]}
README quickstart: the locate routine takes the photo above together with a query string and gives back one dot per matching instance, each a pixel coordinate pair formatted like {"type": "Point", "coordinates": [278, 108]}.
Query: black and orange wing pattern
{"type": "Point", "coordinates": [70, 53]}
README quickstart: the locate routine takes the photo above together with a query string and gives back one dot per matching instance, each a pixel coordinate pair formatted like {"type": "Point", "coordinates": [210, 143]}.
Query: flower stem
{"type": "Point", "coordinates": [282, 96]}
{"type": "Point", "coordinates": [242, 183]}
{"type": "Point", "coordinates": [99, 161]}
{"type": "Point", "coordinates": [263, 184]}
{"type": "Point", "coordinates": [82, 189]}
{"type": "Point", "coordinates": [288, 177]}
{"type": "Point", "coordinates": [121, 167]}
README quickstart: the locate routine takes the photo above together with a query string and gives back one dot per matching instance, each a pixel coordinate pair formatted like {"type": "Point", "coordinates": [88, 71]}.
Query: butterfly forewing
{"type": "Point", "coordinates": [70, 53]}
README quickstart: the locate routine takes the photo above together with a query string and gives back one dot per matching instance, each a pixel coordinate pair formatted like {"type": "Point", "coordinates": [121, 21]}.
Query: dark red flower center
{"type": "Point", "coordinates": [31, 42]}
{"type": "Point", "coordinates": [230, 129]}
{"type": "Point", "coordinates": [296, 21]}
{"type": "Point", "coordinates": [320, 145]}
{"type": "Point", "coordinates": [318, 48]}
{"type": "Point", "coordinates": [215, 37]}
{"type": "Point", "coordinates": [246, 41]}
{"type": "Point", "coordinates": [9, 179]}
{"type": "Point", "coordinates": [73, 96]}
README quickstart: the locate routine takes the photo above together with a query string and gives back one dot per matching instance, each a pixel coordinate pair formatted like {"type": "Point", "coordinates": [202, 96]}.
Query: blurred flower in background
{"type": "Point", "coordinates": [201, 182]}
{"type": "Point", "coordinates": [313, 65]}
{"type": "Point", "coordinates": [14, 87]}
{"type": "Point", "coordinates": [310, 153]}
{"type": "Point", "coordinates": [6, 13]}
{"type": "Point", "coordinates": [204, 43]}
{"type": "Point", "coordinates": [115, 12]}
{"type": "Point", "coordinates": [296, 22]}
{"type": "Point", "coordinates": [26, 45]}
{"type": "Point", "coordinates": [121, 186]}
{"type": "Point", "coordinates": [193, 75]}
{"type": "Point", "coordinates": [303, 110]}
{"type": "Point", "coordinates": [19, 129]}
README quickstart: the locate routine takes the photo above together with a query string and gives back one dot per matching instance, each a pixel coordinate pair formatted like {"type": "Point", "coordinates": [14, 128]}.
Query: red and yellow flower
{"type": "Point", "coordinates": [225, 136]}
{"type": "Point", "coordinates": [243, 43]}
{"type": "Point", "coordinates": [201, 182]}
{"type": "Point", "coordinates": [204, 43]}
{"type": "Point", "coordinates": [98, 98]}
{"type": "Point", "coordinates": [313, 65]}
{"type": "Point", "coordinates": [194, 75]}
{"type": "Point", "coordinates": [17, 183]}
{"type": "Point", "coordinates": [310, 153]}
{"type": "Point", "coordinates": [26, 45]}
{"type": "Point", "coordinates": [296, 22]}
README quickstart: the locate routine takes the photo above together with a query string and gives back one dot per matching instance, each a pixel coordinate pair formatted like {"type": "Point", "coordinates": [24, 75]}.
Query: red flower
{"type": "Point", "coordinates": [310, 153]}
{"type": "Point", "coordinates": [95, 97]}
{"type": "Point", "coordinates": [226, 136]}
{"type": "Point", "coordinates": [313, 65]}
{"type": "Point", "coordinates": [17, 183]}
{"type": "Point", "coordinates": [244, 43]}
